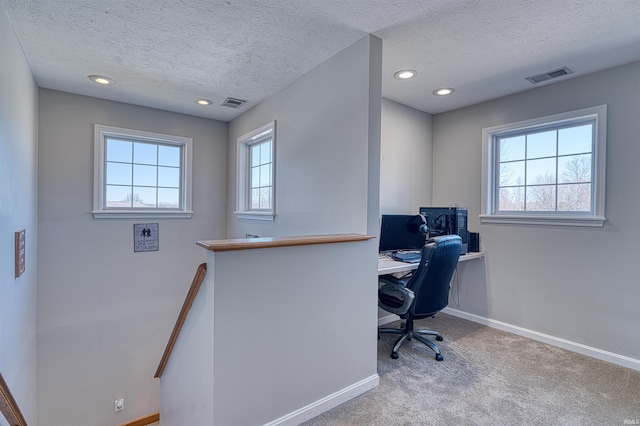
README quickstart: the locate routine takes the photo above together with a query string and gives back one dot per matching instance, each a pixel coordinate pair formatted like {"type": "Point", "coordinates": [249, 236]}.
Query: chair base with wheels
{"type": "Point", "coordinates": [408, 333]}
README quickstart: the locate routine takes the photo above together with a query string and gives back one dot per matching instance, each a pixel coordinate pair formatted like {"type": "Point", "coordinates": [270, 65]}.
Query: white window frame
{"type": "Point", "coordinates": [594, 218]}
{"type": "Point", "coordinates": [100, 211]}
{"type": "Point", "coordinates": [244, 142]}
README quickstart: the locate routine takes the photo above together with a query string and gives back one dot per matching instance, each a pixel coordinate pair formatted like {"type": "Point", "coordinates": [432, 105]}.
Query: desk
{"type": "Point", "coordinates": [386, 265]}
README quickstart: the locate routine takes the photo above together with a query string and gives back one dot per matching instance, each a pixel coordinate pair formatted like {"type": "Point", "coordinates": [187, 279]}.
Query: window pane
{"type": "Point", "coordinates": [541, 144]}
{"type": "Point", "coordinates": [168, 198]}
{"type": "Point", "coordinates": [511, 199]}
{"type": "Point", "coordinates": [145, 175]}
{"type": "Point", "coordinates": [145, 153]}
{"type": "Point", "coordinates": [575, 140]}
{"type": "Point", "coordinates": [265, 198]}
{"type": "Point", "coordinates": [265, 175]}
{"type": "Point", "coordinates": [255, 177]}
{"type": "Point", "coordinates": [144, 197]}
{"type": "Point", "coordinates": [574, 197]}
{"type": "Point", "coordinates": [118, 174]}
{"type": "Point", "coordinates": [118, 150]}
{"type": "Point", "coordinates": [512, 174]}
{"type": "Point", "coordinates": [169, 156]}
{"type": "Point", "coordinates": [541, 171]}
{"type": "Point", "coordinates": [265, 152]}
{"type": "Point", "coordinates": [255, 199]}
{"type": "Point", "coordinates": [575, 168]}
{"type": "Point", "coordinates": [255, 155]}
{"type": "Point", "coordinates": [541, 198]}
{"type": "Point", "coordinates": [169, 176]}
{"type": "Point", "coordinates": [118, 196]}
{"type": "Point", "coordinates": [512, 148]}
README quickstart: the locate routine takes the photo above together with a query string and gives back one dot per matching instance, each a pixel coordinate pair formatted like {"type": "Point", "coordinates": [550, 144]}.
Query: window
{"type": "Point", "coordinates": [548, 170]}
{"type": "Point", "coordinates": [256, 166]}
{"type": "Point", "coordinates": [141, 174]}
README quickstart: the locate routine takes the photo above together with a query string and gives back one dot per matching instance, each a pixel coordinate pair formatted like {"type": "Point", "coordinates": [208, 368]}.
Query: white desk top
{"type": "Point", "coordinates": [386, 265]}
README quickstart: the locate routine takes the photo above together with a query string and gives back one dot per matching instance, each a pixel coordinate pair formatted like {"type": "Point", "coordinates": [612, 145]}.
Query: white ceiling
{"type": "Point", "coordinates": [166, 53]}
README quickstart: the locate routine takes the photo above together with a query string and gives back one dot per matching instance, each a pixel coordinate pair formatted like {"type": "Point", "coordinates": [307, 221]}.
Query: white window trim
{"type": "Point", "coordinates": [99, 212]}
{"type": "Point", "coordinates": [592, 219]}
{"type": "Point", "coordinates": [242, 197]}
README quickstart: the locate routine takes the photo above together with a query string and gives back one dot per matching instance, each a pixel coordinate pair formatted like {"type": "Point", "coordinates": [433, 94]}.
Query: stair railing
{"type": "Point", "coordinates": [9, 406]}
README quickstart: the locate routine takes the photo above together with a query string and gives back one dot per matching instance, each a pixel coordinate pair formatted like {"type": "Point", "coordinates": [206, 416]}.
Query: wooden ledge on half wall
{"type": "Point", "coordinates": [271, 242]}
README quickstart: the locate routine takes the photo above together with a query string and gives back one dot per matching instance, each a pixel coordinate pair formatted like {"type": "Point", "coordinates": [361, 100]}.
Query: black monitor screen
{"type": "Point", "coordinates": [401, 232]}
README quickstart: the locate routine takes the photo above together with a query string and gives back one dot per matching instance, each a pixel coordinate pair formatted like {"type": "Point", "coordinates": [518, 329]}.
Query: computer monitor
{"type": "Point", "coordinates": [401, 232]}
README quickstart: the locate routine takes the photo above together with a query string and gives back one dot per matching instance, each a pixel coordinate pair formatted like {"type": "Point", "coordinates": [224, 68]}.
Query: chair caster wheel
{"type": "Point", "coordinates": [394, 355]}
{"type": "Point", "coordinates": [439, 338]}
{"type": "Point", "coordinates": [439, 357]}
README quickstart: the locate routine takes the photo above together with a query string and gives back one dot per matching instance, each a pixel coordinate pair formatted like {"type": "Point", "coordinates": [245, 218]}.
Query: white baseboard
{"type": "Point", "coordinates": [327, 403]}
{"type": "Point", "coordinates": [387, 319]}
{"type": "Point", "coordinates": [600, 354]}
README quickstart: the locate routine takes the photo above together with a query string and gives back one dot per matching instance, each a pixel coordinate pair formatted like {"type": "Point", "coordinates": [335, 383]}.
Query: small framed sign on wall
{"type": "Point", "coordinates": [21, 242]}
{"type": "Point", "coordinates": [145, 237]}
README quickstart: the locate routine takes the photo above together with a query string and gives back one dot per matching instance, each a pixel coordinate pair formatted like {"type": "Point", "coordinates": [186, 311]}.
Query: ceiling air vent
{"type": "Point", "coordinates": [549, 75]}
{"type": "Point", "coordinates": [233, 103]}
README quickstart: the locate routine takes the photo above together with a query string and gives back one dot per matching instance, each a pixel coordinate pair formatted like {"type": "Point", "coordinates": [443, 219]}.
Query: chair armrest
{"type": "Point", "coordinates": [393, 296]}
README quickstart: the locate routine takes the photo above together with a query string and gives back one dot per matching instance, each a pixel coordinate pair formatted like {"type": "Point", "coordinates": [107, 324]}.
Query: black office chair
{"type": "Point", "coordinates": [424, 293]}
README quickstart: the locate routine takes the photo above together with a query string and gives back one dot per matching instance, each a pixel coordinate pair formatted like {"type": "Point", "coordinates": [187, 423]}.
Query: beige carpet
{"type": "Point", "coordinates": [490, 377]}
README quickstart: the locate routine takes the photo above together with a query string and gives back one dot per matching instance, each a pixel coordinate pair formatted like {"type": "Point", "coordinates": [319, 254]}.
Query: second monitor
{"type": "Point", "coordinates": [401, 232]}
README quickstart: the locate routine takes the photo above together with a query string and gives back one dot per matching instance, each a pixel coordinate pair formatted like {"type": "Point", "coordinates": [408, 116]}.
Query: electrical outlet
{"type": "Point", "coordinates": [119, 405]}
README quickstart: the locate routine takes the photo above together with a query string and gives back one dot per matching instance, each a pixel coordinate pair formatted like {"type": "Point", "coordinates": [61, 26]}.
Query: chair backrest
{"type": "Point", "coordinates": [430, 282]}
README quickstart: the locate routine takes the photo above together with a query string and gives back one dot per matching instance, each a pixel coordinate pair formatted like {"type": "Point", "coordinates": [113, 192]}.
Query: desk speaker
{"type": "Point", "coordinates": [474, 242]}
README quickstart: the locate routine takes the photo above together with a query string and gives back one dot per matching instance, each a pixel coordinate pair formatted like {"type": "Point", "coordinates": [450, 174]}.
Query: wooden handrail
{"type": "Point", "coordinates": [273, 242]}
{"type": "Point", "coordinates": [9, 406]}
{"type": "Point", "coordinates": [182, 317]}
{"type": "Point", "coordinates": [144, 421]}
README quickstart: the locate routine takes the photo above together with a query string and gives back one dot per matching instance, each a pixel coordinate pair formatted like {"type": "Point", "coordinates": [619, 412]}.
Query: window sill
{"type": "Point", "coordinates": [268, 216]}
{"type": "Point", "coordinates": [141, 214]}
{"type": "Point", "coordinates": [589, 221]}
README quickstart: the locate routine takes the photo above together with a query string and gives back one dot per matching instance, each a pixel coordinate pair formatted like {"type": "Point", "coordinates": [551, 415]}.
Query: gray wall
{"type": "Point", "coordinates": [579, 284]}
{"type": "Point", "coordinates": [105, 313]}
{"type": "Point", "coordinates": [323, 129]}
{"type": "Point", "coordinates": [327, 181]}
{"type": "Point", "coordinates": [18, 204]}
{"type": "Point", "coordinates": [405, 161]}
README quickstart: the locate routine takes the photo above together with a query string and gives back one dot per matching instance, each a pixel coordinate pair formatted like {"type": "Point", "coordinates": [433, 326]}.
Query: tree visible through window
{"type": "Point", "coordinates": [260, 186]}
{"type": "Point", "coordinates": [142, 175]}
{"type": "Point", "coordinates": [546, 171]}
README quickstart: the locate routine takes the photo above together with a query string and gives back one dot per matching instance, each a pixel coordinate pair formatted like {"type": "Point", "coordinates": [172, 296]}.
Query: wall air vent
{"type": "Point", "coordinates": [549, 75]}
{"type": "Point", "coordinates": [233, 103]}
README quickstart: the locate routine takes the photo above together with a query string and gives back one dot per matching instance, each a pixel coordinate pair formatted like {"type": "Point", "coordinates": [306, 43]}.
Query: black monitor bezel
{"type": "Point", "coordinates": [396, 237]}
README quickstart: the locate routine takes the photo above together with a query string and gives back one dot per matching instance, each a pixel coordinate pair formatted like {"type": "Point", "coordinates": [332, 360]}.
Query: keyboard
{"type": "Point", "coordinates": [409, 256]}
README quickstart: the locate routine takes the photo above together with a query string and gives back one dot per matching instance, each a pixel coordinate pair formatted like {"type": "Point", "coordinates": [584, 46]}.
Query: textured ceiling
{"type": "Point", "coordinates": [166, 53]}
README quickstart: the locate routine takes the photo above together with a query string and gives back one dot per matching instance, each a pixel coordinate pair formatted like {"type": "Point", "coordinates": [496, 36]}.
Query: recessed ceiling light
{"type": "Point", "coordinates": [100, 79]}
{"type": "Point", "coordinates": [444, 91]}
{"type": "Point", "coordinates": [405, 74]}
{"type": "Point", "coordinates": [203, 102]}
